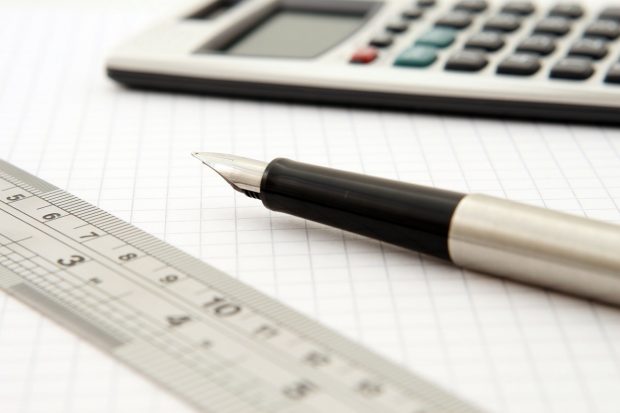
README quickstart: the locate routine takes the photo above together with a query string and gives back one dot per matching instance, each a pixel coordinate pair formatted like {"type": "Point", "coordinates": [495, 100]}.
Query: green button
{"type": "Point", "coordinates": [417, 56]}
{"type": "Point", "coordinates": [438, 37]}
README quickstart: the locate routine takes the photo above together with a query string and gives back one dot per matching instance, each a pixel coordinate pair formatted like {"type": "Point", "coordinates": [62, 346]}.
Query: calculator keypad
{"type": "Point", "coordinates": [608, 29]}
{"type": "Point", "coordinates": [382, 40]}
{"type": "Point", "coordinates": [519, 64]}
{"type": "Point", "coordinates": [567, 10]}
{"type": "Point", "coordinates": [503, 23]}
{"type": "Point", "coordinates": [610, 13]}
{"type": "Point", "coordinates": [417, 56]}
{"type": "Point", "coordinates": [520, 8]}
{"type": "Point", "coordinates": [365, 55]}
{"type": "Point", "coordinates": [573, 68]}
{"type": "Point", "coordinates": [556, 26]}
{"type": "Point", "coordinates": [538, 44]}
{"type": "Point", "coordinates": [489, 41]}
{"type": "Point", "coordinates": [439, 37]}
{"type": "Point", "coordinates": [565, 41]}
{"type": "Point", "coordinates": [455, 19]}
{"type": "Point", "coordinates": [413, 13]}
{"type": "Point", "coordinates": [467, 61]}
{"type": "Point", "coordinates": [397, 26]}
{"type": "Point", "coordinates": [593, 48]}
{"type": "Point", "coordinates": [426, 3]}
{"type": "Point", "coordinates": [471, 6]}
{"type": "Point", "coordinates": [613, 76]}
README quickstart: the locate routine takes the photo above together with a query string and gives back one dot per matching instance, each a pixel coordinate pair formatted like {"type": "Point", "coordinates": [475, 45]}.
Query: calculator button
{"type": "Point", "coordinates": [557, 26]}
{"type": "Point", "coordinates": [589, 47]}
{"type": "Point", "coordinates": [519, 64]}
{"type": "Point", "coordinates": [382, 40]}
{"type": "Point", "coordinates": [455, 19]}
{"type": "Point", "coordinates": [472, 6]}
{"type": "Point", "coordinates": [397, 26]}
{"type": "Point", "coordinates": [521, 8]}
{"type": "Point", "coordinates": [437, 37]}
{"type": "Point", "coordinates": [413, 13]}
{"type": "Point", "coordinates": [610, 13]}
{"type": "Point", "coordinates": [365, 55]}
{"type": "Point", "coordinates": [539, 44]}
{"type": "Point", "coordinates": [426, 3]}
{"type": "Point", "coordinates": [417, 56]}
{"type": "Point", "coordinates": [503, 23]}
{"type": "Point", "coordinates": [489, 41]}
{"type": "Point", "coordinates": [467, 61]}
{"type": "Point", "coordinates": [568, 10]}
{"type": "Point", "coordinates": [613, 76]}
{"type": "Point", "coordinates": [573, 68]}
{"type": "Point", "coordinates": [608, 29]}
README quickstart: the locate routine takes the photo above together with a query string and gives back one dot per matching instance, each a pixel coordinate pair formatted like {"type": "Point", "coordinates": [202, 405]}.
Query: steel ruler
{"type": "Point", "coordinates": [218, 344]}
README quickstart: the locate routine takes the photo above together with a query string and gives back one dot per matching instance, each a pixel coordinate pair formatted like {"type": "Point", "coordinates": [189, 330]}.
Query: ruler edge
{"type": "Point", "coordinates": [426, 389]}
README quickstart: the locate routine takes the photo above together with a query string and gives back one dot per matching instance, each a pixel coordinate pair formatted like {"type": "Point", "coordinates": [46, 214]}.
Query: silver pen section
{"type": "Point", "coordinates": [537, 246]}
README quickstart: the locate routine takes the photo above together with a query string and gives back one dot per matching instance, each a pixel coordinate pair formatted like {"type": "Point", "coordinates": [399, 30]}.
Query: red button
{"type": "Point", "coordinates": [365, 55]}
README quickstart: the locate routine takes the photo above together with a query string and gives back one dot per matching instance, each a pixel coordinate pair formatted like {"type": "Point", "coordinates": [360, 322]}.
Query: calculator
{"type": "Point", "coordinates": [537, 60]}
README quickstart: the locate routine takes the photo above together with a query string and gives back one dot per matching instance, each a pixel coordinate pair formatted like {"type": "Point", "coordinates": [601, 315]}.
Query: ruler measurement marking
{"type": "Point", "coordinates": [274, 357]}
{"type": "Point", "coordinates": [251, 300]}
{"type": "Point", "coordinates": [146, 315]}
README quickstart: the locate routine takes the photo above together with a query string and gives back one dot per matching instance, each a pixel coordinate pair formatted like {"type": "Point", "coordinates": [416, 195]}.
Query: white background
{"type": "Point", "coordinates": [507, 347]}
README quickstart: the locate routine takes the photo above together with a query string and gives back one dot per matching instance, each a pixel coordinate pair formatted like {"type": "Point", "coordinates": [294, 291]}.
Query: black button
{"type": "Point", "coordinates": [519, 64]}
{"type": "Point", "coordinates": [613, 76]}
{"type": "Point", "coordinates": [413, 13]}
{"type": "Point", "coordinates": [503, 23]}
{"type": "Point", "coordinates": [521, 8]}
{"type": "Point", "coordinates": [455, 19]}
{"type": "Point", "coordinates": [610, 13]}
{"type": "Point", "coordinates": [467, 61]}
{"type": "Point", "coordinates": [489, 41]}
{"type": "Point", "coordinates": [608, 29]}
{"type": "Point", "coordinates": [382, 40]}
{"type": "Point", "coordinates": [568, 10]}
{"type": "Point", "coordinates": [557, 26]}
{"type": "Point", "coordinates": [573, 68]}
{"type": "Point", "coordinates": [472, 6]}
{"type": "Point", "coordinates": [539, 44]}
{"type": "Point", "coordinates": [426, 3]}
{"type": "Point", "coordinates": [397, 26]}
{"type": "Point", "coordinates": [589, 47]}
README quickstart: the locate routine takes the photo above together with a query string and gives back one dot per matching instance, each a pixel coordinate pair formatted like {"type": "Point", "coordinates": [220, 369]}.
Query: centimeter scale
{"type": "Point", "coordinates": [215, 342]}
{"type": "Point", "coordinates": [537, 59]}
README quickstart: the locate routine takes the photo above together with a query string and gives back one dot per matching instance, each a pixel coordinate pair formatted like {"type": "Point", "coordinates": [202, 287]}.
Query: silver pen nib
{"type": "Point", "coordinates": [243, 174]}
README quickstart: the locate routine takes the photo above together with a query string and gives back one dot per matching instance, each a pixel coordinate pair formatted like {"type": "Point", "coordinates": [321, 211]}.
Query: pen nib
{"type": "Point", "coordinates": [243, 174]}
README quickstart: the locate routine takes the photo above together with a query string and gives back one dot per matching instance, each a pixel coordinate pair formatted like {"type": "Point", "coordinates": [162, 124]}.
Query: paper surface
{"type": "Point", "coordinates": [508, 347]}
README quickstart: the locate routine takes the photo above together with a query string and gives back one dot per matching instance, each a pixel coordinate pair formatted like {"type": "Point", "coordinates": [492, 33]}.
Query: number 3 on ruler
{"type": "Point", "coordinates": [73, 260]}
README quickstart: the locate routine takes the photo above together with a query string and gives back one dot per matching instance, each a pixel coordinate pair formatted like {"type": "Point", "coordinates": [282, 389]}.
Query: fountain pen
{"type": "Point", "coordinates": [520, 242]}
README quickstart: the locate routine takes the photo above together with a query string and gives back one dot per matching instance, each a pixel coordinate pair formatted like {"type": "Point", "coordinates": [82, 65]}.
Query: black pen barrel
{"type": "Point", "coordinates": [408, 215]}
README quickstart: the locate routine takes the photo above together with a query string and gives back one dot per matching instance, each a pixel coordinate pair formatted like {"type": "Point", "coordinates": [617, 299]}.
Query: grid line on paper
{"type": "Point", "coordinates": [356, 308]}
{"type": "Point", "coordinates": [296, 153]}
{"type": "Point", "coordinates": [401, 340]}
{"type": "Point", "coordinates": [503, 283]}
{"type": "Point", "coordinates": [465, 279]}
{"type": "Point", "coordinates": [128, 152]}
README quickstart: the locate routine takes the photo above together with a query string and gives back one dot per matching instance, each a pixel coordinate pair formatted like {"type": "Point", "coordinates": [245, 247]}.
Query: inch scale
{"type": "Point", "coordinates": [213, 341]}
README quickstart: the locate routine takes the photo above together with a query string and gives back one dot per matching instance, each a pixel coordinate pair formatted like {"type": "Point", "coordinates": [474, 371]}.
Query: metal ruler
{"type": "Point", "coordinates": [215, 342]}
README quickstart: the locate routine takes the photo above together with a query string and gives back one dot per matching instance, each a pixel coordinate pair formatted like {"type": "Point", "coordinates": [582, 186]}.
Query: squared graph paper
{"type": "Point", "coordinates": [505, 346]}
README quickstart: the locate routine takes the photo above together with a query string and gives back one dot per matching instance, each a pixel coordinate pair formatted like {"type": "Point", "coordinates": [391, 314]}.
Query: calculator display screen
{"type": "Point", "coordinates": [296, 34]}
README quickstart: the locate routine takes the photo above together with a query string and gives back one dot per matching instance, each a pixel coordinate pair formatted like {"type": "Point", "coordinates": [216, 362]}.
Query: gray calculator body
{"type": "Point", "coordinates": [324, 51]}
